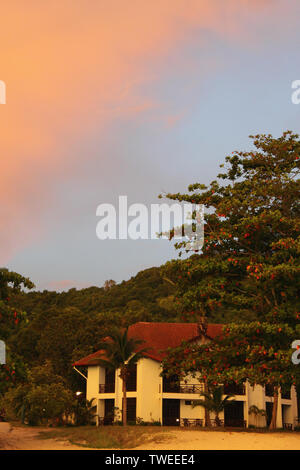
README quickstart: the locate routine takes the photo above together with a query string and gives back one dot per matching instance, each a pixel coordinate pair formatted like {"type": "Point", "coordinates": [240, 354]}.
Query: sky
{"type": "Point", "coordinates": [117, 97]}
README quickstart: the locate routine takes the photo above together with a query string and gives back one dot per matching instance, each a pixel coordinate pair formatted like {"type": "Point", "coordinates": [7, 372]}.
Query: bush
{"type": "Point", "coordinates": [45, 399]}
{"type": "Point", "coordinates": [46, 403]}
{"type": "Point", "coordinates": [84, 412]}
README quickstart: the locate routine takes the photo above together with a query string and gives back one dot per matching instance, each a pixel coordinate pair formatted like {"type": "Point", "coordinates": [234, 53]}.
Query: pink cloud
{"type": "Point", "coordinates": [66, 284]}
{"type": "Point", "coordinates": [70, 66]}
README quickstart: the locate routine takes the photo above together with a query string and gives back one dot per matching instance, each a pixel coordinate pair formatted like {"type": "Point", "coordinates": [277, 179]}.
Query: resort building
{"type": "Point", "coordinates": [153, 398]}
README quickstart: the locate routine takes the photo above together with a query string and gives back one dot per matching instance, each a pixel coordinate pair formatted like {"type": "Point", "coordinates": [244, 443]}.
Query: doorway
{"type": "Point", "coordinates": [131, 410]}
{"type": "Point", "coordinates": [171, 412]}
{"type": "Point", "coordinates": [109, 405]}
{"type": "Point", "coordinates": [234, 414]}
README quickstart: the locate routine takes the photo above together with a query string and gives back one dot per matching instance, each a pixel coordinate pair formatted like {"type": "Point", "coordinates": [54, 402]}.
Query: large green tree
{"type": "Point", "coordinates": [11, 319]}
{"type": "Point", "coordinates": [248, 270]}
{"type": "Point", "coordinates": [249, 264]}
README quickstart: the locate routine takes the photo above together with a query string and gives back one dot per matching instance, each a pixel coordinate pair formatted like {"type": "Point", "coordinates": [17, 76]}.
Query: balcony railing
{"type": "Point", "coordinates": [107, 388]}
{"type": "Point", "coordinates": [191, 422]}
{"type": "Point", "coordinates": [183, 388]}
{"type": "Point", "coordinates": [229, 389]}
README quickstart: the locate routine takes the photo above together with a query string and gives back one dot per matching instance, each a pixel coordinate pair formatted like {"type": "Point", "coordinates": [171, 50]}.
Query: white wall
{"type": "Point", "coordinates": [187, 411]}
{"type": "Point", "coordinates": [149, 386]}
{"type": "Point", "coordinates": [93, 380]}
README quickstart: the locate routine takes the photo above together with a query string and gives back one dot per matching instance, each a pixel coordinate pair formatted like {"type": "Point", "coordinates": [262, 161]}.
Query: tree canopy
{"type": "Point", "coordinates": [249, 265]}
{"type": "Point", "coordinates": [248, 271]}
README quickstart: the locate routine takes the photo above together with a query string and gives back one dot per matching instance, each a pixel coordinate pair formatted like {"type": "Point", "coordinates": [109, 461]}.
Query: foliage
{"type": "Point", "coordinates": [249, 265]}
{"type": "Point", "coordinates": [84, 412]}
{"type": "Point", "coordinates": [257, 352]}
{"type": "Point", "coordinates": [64, 327]}
{"type": "Point", "coordinates": [214, 401]}
{"type": "Point", "coordinates": [248, 272]}
{"type": "Point", "coordinates": [43, 397]}
{"type": "Point", "coordinates": [146, 287]}
{"type": "Point", "coordinates": [11, 319]}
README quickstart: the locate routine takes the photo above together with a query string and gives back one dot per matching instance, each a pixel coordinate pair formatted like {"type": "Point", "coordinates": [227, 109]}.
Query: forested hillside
{"type": "Point", "coordinates": [145, 289]}
{"type": "Point", "coordinates": [62, 327]}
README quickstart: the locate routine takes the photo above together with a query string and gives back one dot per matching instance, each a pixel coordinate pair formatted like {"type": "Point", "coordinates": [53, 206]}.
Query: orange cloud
{"type": "Point", "coordinates": [71, 65]}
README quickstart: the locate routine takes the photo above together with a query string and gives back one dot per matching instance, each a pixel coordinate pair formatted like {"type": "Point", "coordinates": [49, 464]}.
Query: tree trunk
{"type": "Point", "coordinates": [124, 399]}
{"type": "Point", "coordinates": [274, 410]}
{"type": "Point", "coordinates": [206, 412]}
{"type": "Point", "coordinates": [207, 418]}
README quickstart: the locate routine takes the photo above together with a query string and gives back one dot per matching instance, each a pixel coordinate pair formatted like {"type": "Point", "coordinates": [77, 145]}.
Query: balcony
{"type": "Point", "coordinates": [107, 388]}
{"type": "Point", "coordinates": [183, 388]}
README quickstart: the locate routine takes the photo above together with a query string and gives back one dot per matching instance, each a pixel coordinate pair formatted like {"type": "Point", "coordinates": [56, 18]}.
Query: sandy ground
{"type": "Point", "coordinates": [210, 440]}
{"type": "Point", "coordinates": [21, 438]}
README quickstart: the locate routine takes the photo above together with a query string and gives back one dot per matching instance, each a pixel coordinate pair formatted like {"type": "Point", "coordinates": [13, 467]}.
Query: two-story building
{"type": "Point", "coordinates": [151, 397]}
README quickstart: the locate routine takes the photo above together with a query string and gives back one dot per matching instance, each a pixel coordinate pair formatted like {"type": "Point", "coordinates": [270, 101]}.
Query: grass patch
{"type": "Point", "coordinates": [108, 437]}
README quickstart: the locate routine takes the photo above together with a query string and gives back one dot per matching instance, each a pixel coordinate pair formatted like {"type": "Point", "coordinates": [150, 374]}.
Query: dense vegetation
{"type": "Point", "coordinates": [247, 276]}
{"type": "Point", "coordinates": [63, 327]}
{"type": "Point", "coordinates": [249, 267]}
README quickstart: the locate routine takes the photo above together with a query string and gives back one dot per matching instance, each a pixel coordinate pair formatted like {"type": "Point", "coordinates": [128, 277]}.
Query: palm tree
{"type": "Point", "coordinates": [256, 412]}
{"type": "Point", "coordinates": [121, 354]}
{"type": "Point", "coordinates": [213, 401]}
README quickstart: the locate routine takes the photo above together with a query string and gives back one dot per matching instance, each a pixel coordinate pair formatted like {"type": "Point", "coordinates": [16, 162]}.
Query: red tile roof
{"type": "Point", "coordinates": [157, 338]}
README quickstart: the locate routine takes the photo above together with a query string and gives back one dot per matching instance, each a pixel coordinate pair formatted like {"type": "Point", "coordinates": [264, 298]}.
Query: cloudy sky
{"type": "Point", "coordinates": [127, 97]}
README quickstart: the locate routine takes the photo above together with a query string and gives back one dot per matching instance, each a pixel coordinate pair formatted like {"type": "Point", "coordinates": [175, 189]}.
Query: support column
{"type": "Point", "coordinates": [279, 411]}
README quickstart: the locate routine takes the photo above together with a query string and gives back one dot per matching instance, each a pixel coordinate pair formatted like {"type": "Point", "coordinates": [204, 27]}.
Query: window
{"type": "Point", "coordinates": [109, 381]}
{"type": "Point", "coordinates": [131, 379]}
{"type": "Point", "coordinates": [171, 384]}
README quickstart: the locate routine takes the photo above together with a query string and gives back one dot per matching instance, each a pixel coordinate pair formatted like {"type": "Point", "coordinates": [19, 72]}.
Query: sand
{"type": "Point", "coordinates": [21, 438]}
{"type": "Point", "coordinates": [227, 440]}
{"type": "Point", "coordinates": [27, 438]}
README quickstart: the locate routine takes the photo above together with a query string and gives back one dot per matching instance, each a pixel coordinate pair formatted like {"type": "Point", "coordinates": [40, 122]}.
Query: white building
{"type": "Point", "coordinates": [151, 397]}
